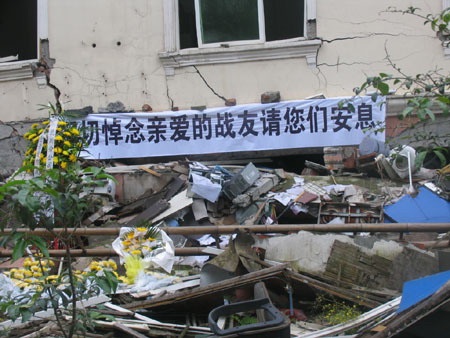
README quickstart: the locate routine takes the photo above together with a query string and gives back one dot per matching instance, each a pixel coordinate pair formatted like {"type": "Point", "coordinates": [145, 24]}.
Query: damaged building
{"type": "Point", "coordinates": [229, 181]}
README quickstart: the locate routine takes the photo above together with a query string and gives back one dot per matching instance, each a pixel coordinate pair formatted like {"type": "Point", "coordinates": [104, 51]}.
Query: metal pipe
{"type": "Point", "coordinates": [438, 244]}
{"type": "Point", "coordinates": [228, 229]}
{"type": "Point", "coordinates": [104, 252]}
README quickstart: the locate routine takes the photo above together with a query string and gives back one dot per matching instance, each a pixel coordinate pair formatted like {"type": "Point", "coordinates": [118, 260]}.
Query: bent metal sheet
{"type": "Point", "coordinates": [250, 127]}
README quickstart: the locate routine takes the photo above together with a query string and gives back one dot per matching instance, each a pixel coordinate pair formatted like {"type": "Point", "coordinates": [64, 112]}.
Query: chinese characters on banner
{"type": "Point", "coordinates": [282, 125]}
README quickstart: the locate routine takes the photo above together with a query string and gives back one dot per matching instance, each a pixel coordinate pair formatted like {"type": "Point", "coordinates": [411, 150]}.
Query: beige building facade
{"type": "Point", "coordinates": [167, 53]}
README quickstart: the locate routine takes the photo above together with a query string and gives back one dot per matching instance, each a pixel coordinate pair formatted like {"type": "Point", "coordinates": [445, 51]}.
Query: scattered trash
{"type": "Point", "coordinates": [216, 288]}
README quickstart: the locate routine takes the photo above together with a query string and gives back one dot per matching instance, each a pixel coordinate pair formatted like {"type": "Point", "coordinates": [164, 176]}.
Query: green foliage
{"type": "Point", "coordinates": [65, 191]}
{"type": "Point", "coordinates": [245, 320]}
{"type": "Point", "coordinates": [57, 293]}
{"type": "Point", "coordinates": [57, 198]}
{"type": "Point", "coordinates": [334, 312]}
{"type": "Point", "coordinates": [424, 92]}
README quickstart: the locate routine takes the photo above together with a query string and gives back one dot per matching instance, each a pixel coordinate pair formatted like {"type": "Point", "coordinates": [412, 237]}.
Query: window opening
{"type": "Point", "coordinates": [19, 27]}
{"type": "Point", "coordinates": [211, 23]}
{"type": "Point", "coordinates": [284, 19]}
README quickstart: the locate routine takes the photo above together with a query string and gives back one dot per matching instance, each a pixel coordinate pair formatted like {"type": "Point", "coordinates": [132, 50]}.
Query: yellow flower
{"type": "Point", "coordinates": [57, 150]}
{"type": "Point", "coordinates": [28, 152]}
{"type": "Point", "coordinates": [65, 152]}
{"type": "Point", "coordinates": [24, 163]}
{"type": "Point", "coordinates": [35, 152]}
{"type": "Point", "coordinates": [26, 135]}
{"type": "Point", "coordinates": [141, 229]}
{"type": "Point", "coordinates": [45, 122]}
{"type": "Point", "coordinates": [123, 279]}
{"type": "Point", "coordinates": [67, 143]}
{"type": "Point", "coordinates": [130, 235]}
{"type": "Point", "coordinates": [41, 156]}
{"type": "Point", "coordinates": [136, 252]}
{"type": "Point", "coordinates": [113, 265]}
{"type": "Point", "coordinates": [37, 274]}
{"type": "Point", "coordinates": [44, 160]}
{"type": "Point", "coordinates": [34, 125]}
{"type": "Point", "coordinates": [40, 131]}
{"type": "Point", "coordinates": [58, 138]}
{"type": "Point", "coordinates": [36, 139]}
{"type": "Point", "coordinates": [62, 123]}
{"type": "Point", "coordinates": [27, 273]}
{"type": "Point", "coordinates": [63, 165]}
{"type": "Point", "coordinates": [30, 136]}
{"type": "Point", "coordinates": [18, 275]}
{"type": "Point", "coordinates": [67, 133]}
{"type": "Point", "coordinates": [58, 129]}
{"type": "Point", "coordinates": [75, 131]}
{"type": "Point", "coordinates": [55, 159]}
{"type": "Point", "coordinates": [72, 158]}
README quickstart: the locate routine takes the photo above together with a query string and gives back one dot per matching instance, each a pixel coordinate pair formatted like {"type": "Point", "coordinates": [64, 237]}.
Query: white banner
{"type": "Point", "coordinates": [250, 127]}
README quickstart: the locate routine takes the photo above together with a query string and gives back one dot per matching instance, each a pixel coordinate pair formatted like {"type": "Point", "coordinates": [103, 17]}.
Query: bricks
{"type": "Point", "coordinates": [337, 158]}
{"type": "Point", "coordinates": [230, 102]}
{"type": "Point", "coordinates": [270, 97]}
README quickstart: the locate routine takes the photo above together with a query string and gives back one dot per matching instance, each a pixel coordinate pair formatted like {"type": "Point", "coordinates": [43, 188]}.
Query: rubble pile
{"type": "Point", "coordinates": [203, 248]}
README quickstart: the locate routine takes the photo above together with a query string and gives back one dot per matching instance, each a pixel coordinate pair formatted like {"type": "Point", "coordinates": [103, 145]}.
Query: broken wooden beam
{"type": "Point", "coordinates": [352, 295]}
{"type": "Point", "coordinates": [249, 278]}
{"type": "Point", "coordinates": [229, 229]}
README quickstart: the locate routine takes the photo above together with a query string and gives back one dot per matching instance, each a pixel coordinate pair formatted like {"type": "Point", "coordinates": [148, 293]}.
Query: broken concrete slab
{"type": "Point", "coordinates": [386, 263]}
{"type": "Point", "coordinates": [199, 209]}
{"type": "Point", "coordinates": [261, 186]}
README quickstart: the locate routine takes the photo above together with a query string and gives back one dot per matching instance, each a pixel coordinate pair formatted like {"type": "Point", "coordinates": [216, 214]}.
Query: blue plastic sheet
{"type": "Point", "coordinates": [416, 290]}
{"type": "Point", "coordinates": [425, 207]}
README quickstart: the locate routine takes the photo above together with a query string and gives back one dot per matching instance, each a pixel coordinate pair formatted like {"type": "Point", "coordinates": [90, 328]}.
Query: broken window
{"type": "Point", "coordinates": [19, 25]}
{"type": "Point", "coordinates": [213, 23]}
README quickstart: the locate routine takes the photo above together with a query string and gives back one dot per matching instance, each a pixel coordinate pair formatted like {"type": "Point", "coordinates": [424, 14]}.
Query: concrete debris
{"type": "Point", "coordinates": [231, 227]}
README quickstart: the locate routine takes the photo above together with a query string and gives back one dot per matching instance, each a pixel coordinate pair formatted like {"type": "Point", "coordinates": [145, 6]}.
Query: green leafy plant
{"type": "Point", "coordinates": [333, 312]}
{"type": "Point", "coordinates": [424, 92]}
{"type": "Point", "coordinates": [52, 198]}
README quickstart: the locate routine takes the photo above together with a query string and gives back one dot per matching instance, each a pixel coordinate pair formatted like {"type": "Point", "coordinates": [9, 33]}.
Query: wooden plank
{"type": "Point", "coordinates": [170, 289]}
{"type": "Point", "coordinates": [174, 187]}
{"type": "Point", "coordinates": [128, 330]}
{"type": "Point", "coordinates": [101, 212]}
{"type": "Point", "coordinates": [208, 289]}
{"type": "Point", "coordinates": [177, 203]}
{"type": "Point", "coordinates": [151, 212]}
{"type": "Point", "coordinates": [352, 295]}
{"type": "Point", "coordinates": [364, 318]}
{"type": "Point", "coordinates": [150, 171]}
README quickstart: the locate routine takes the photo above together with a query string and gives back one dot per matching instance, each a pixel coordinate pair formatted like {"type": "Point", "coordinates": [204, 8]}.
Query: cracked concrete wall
{"type": "Point", "coordinates": [359, 35]}
{"type": "Point", "coordinates": [12, 146]}
{"type": "Point", "coordinates": [107, 50]}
